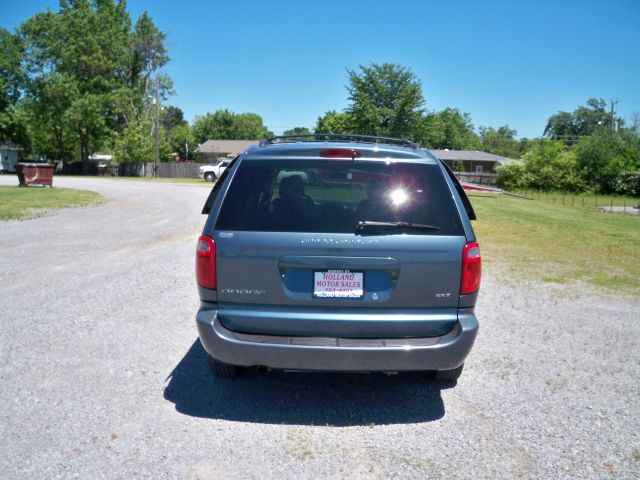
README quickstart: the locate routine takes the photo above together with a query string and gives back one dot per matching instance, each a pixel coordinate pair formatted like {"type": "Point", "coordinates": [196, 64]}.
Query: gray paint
{"type": "Point", "coordinates": [436, 353]}
{"type": "Point", "coordinates": [411, 287]}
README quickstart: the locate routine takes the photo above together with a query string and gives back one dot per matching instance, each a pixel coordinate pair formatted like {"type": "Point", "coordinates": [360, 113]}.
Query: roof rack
{"type": "Point", "coordinates": [335, 137]}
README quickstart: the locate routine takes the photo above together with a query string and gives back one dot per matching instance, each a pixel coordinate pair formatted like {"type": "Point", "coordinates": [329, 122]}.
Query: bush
{"type": "Point", "coordinates": [627, 183]}
{"type": "Point", "coordinates": [512, 176]}
{"type": "Point", "coordinates": [609, 163]}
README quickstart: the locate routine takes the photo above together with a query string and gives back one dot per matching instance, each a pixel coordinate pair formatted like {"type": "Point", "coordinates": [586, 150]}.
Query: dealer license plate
{"type": "Point", "coordinates": [338, 284]}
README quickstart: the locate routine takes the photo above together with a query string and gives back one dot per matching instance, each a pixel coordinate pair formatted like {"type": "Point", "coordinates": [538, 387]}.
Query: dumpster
{"type": "Point", "coordinates": [35, 174]}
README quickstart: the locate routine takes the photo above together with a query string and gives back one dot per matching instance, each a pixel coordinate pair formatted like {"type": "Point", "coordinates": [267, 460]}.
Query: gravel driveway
{"type": "Point", "coordinates": [102, 375]}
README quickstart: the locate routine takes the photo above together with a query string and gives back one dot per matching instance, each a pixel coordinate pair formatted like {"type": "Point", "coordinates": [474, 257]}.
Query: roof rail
{"type": "Point", "coordinates": [335, 137]}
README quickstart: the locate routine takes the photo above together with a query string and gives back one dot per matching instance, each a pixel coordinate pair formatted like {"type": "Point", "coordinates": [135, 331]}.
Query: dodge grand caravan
{"type": "Point", "coordinates": [338, 253]}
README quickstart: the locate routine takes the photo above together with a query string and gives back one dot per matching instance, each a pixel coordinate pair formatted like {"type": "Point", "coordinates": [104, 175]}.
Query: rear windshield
{"type": "Point", "coordinates": [328, 196]}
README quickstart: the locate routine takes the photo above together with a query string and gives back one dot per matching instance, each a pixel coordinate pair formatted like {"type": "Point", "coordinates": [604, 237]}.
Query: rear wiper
{"type": "Point", "coordinates": [366, 225]}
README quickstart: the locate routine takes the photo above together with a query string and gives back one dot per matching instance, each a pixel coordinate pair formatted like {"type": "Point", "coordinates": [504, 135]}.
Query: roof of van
{"type": "Point", "coordinates": [313, 149]}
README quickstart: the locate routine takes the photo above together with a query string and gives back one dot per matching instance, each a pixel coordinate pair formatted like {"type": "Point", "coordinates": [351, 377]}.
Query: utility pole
{"type": "Point", "coordinates": [613, 121]}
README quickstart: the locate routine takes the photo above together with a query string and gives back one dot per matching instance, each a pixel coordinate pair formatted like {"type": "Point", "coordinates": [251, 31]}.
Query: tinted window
{"type": "Point", "coordinates": [332, 196]}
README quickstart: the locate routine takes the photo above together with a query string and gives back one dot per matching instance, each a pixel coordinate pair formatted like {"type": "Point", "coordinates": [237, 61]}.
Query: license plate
{"type": "Point", "coordinates": [338, 284]}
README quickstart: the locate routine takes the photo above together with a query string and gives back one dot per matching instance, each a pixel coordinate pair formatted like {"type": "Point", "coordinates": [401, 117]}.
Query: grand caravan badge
{"type": "Point", "coordinates": [241, 291]}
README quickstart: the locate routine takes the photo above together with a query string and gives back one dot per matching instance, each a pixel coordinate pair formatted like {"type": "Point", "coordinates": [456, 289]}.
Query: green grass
{"type": "Point", "coordinates": [541, 241]}
{"type": "Point", "coordinates": [18, 203]}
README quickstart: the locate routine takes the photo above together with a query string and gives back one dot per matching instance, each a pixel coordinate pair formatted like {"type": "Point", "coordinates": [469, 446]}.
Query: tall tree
{"type": "Point", "coordinates": [585, 120]}
{"type": "Point", "coordinates": [334, 122]}
{"type": "Point", "coordinates": [172, 117]}
{"type": "Point", "coordinates": [227, 125]}
{"type": "Point", "coordinates": [448, 128]}
{"type": "Point", "coordinates": [500, 141]}
{"type": "Point", "coordinates": [90, 48]}
{"type": "Point", "coordinates": [181, 136]}
{"type": "Point", "coordinates": [48, 108]}
{"type": "Point", "coordinates": [148, 53]}
{"type": "Point", "coordinates": [12, 127]}
{"type": "Point", "coordinates": [386, 99]}
{"type": "Point", "coordinates": [606, 160]}
{"type": "Point", "coordinates": [249, 126]}
{"type": "Point", "coordinates": [297, 131]}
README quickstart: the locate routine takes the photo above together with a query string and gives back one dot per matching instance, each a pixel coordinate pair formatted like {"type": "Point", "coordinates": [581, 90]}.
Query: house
{"type": "Point", "coordinates": [471, 161]}
{"type": "Point", "coordinates": [9, 156]}
{"type": "Point", "coordinates": [213, 151]}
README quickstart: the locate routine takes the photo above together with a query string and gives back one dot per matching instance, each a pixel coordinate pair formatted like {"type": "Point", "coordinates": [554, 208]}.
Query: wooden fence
{"type": "Point", "coordinates": [165, 170]}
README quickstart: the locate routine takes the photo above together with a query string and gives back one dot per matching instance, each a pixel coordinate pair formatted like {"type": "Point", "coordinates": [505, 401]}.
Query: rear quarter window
{"type": "Point", "coordinates": [206, 209]}
{"type": "Point", "coordinates": [332, 196]}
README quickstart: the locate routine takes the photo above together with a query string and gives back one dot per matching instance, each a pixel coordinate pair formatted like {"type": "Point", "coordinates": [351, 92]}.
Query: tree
{"type": "Point", "coordinates": [585, 120]}
{"type": "Point", "coordinates": [11, 76]}
{"type": "Point", "coordinates": [12, 126]}
{"type": "Point", "coordinates": [178, 137]}
{"type": "Point", "coordinates": [448, 128]}
{"type": "Point", "coordinates": [512, 176]}
{"type": "Point", "coordinates": [172, 117]}
{"type": "Point", "coordinates": [227, 125]}
{"type": "Point", "coordinates": [297, 131]}
{"type": "Point", "coordinates": [500, 142]}
{"type": "Point", "coordinates": [48, 108]}
{"type": "Point", "coordinates": [386, 99]}
{"type": "Point", "coordinates": [148, 53]}
{"type": "Point", "coordinates": [634, 128]}
{"type": "Point", "coordinates": [333, 122]}
{"type": "Point", "coordinates": [561, 127]}
{"type": "Point", "coordinates": [607, 162]}
{"type": "Point", "coordinates": [550, 165]}
{"type": "Point", "coordinates": [89, 49]}
{"type": "Point", "coordinates": [135, 144]}
{"type": "Point", "coordinates": [249, 126]}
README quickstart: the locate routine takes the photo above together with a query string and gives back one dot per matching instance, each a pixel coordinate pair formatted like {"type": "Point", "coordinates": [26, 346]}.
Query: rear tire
{"type": "Point", "coordinates": [453, 374]}
{"type": "Point", "coordinates": [221, 369]}
{"type": "Point", "coordinates": [209, 177]}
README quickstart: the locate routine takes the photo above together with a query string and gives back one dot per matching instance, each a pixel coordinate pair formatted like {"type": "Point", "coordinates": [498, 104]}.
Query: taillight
{"type": "Point", "coordinates": [206, 262]}
{"type": "Point", "coordinates": [340, 153]}
{"type": "Point", "coordinates": [471, 268]}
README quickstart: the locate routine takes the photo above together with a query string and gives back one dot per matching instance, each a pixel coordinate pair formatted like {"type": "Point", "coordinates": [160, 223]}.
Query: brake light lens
{"type": "Point", "coordinates": [471, 268]}
{"type": "Point", "coordinates": [206, 262]}
{"type": "Point", "coordinates": [340, 153]}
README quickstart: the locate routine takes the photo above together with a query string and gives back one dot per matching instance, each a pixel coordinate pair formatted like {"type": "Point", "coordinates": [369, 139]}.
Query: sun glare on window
{"type": "Point", "coordinates": [399, 197]}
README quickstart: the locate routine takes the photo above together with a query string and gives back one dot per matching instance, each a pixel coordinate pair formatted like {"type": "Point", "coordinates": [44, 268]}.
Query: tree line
{"type": "Point", "coordinates": [587, 150]}
{"type": "Point", "coordinates": [81, 80]}
{"type": "Point", "coordinates": [88, 79]}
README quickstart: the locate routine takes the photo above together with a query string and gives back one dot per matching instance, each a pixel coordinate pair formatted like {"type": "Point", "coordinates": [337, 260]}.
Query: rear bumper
{"type": "Point", "coordinates": [337, 354]}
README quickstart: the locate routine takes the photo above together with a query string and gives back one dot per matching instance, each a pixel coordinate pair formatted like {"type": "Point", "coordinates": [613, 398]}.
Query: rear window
{"type": "Point", "coordinates": [329, 196]}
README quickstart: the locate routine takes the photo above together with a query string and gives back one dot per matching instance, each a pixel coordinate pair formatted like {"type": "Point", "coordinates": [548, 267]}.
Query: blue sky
{"type": "Point", "coordinates": [512, 62]}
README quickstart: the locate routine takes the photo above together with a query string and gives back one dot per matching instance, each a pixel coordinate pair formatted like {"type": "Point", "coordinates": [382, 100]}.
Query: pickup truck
{"type": "Point", "coordinates": [211, 172]}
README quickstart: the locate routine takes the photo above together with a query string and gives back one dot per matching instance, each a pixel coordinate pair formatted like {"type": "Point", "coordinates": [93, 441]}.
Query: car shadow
{"type": "Point", "coordinates": [336, 399]}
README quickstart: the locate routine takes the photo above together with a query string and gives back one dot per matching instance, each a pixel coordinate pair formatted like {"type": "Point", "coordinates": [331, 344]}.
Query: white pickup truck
{"type": "Point", "coordinates": [211, 172]}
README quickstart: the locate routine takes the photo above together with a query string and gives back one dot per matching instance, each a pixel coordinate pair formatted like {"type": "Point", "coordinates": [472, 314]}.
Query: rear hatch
{"type": "Point", "coordinates": [338, 248]}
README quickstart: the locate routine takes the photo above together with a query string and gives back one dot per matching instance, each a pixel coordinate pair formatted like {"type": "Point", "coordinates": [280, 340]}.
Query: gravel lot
{"type": "Point", "coordinates": [103, 376]}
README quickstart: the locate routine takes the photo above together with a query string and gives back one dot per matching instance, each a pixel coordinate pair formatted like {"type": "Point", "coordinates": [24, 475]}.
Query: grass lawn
{"type": "Point", "coordinates": [18, 203]}
{"type": "Point", "coordinates": [541, 241]}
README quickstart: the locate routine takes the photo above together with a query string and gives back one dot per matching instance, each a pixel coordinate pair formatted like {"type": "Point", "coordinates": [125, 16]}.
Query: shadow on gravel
{"type": "Point", "coordinates": [336, 399]}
